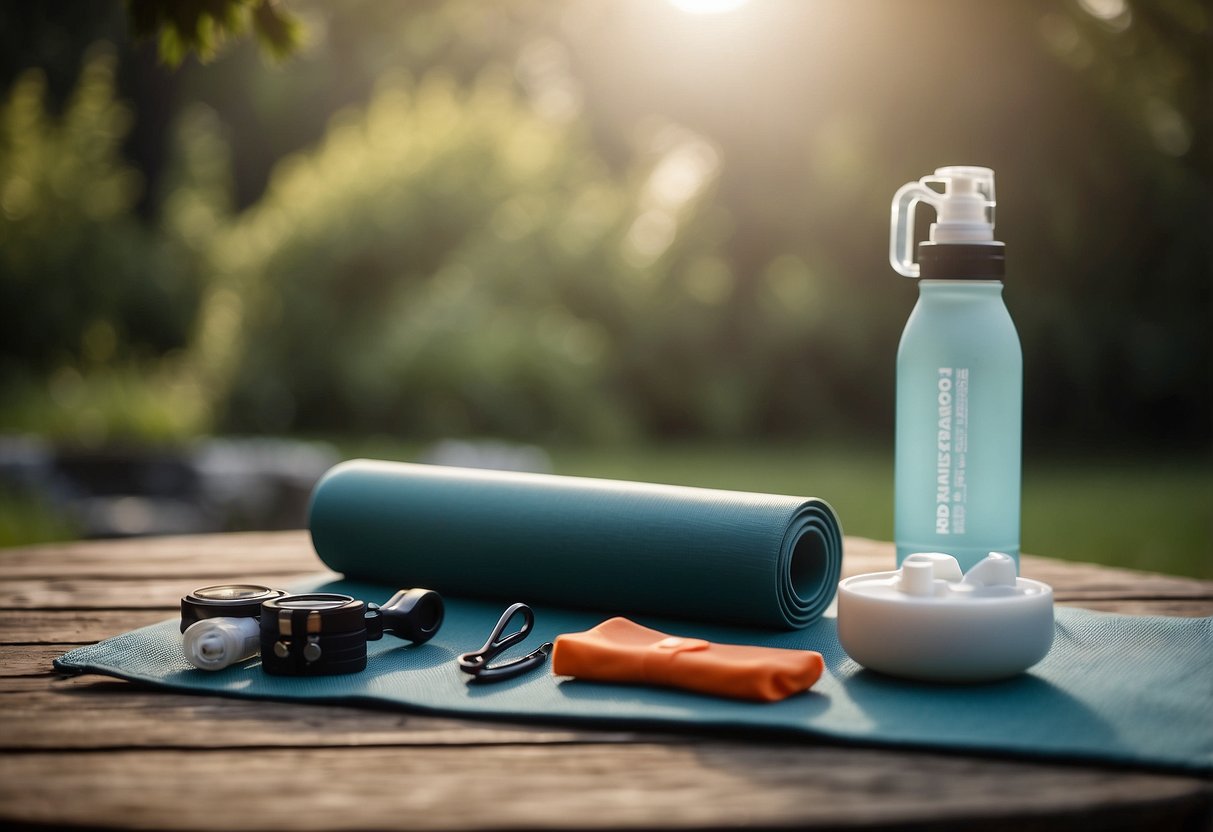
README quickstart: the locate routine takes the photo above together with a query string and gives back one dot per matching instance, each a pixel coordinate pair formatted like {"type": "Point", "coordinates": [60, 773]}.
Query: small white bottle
{"type": "Point", "coordinates": [216, 643]}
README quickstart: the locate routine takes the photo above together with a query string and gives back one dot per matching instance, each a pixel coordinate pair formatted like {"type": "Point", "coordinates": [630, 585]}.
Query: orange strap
{"type": "Point", "coordinates": [619, 650]}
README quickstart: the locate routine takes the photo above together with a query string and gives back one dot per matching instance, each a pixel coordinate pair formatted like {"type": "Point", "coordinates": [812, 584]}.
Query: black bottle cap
{"type": "Point", "coordinates": [960, 261]}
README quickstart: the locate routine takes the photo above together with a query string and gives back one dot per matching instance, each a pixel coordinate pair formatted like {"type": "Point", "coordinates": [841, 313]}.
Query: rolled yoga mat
{"type": "Point", "coordinates": [620, 547]}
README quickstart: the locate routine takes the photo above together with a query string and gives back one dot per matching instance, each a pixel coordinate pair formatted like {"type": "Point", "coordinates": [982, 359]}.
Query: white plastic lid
{"type": "Point", "coordinates": [964, 212]}
{"type": "Point", "coordinates": [929, 621]}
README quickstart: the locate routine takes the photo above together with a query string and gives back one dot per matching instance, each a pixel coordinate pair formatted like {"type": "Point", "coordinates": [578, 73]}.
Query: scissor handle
{"type": "Point", "coordinates": [476, 662]}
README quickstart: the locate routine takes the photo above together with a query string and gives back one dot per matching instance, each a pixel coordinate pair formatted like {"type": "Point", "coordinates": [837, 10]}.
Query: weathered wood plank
{"type": "Point", "coordinates": [109, 714]}
{"type": "Point", "coordinates": [193, 555]}
{"type": "Point", "coordinates": [1089, 577]}
{"type": "Point", "coordinates": [714, 784]}
{"type": "Point", "coordinates": [29, 660]}
{"type": "Point", "coordinates": [127, 754]}
{"type": "Point", "coordinates": [202, 572]}
{"type": "Point", "coordinates": [123, 593]}
{"type": "Point", "coordinates": [39, 709]}
{"type": "Point", "coordinates": [226, 557]}
{"type": "Point", "coordinates": [75, 626]}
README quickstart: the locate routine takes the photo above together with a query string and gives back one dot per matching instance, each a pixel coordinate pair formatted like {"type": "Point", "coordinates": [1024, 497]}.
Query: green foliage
{"type": "Point", "coordinates": [25, 521]}
{"type": "Point", "coordinates": [203, 26]}
{"type": "Point", "coordinates": [452, 262]}
{"type": "Point", "coordinates": [62, 190]}
{"type": "Point", "coordinates": [87, 279]}
{"type": "Point", "coordinates": [148, 401]}
{"type": "Point", "coordinates": [92, 299]}
{"type": "Point", "coordinates": [413, 271]}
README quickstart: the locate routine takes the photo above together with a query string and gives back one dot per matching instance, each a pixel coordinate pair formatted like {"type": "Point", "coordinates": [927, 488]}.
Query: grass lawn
{"type": "Point", "coordinates": [1138, 512]}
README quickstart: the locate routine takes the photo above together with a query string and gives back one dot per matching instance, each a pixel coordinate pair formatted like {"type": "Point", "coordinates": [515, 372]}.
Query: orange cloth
{"type": "Point", "coordinates": [619, 650]}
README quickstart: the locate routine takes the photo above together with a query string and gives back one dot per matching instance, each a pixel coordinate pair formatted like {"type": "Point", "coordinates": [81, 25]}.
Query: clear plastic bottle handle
{"type": "Point", "coordinates": [901, 245]}
{"type": "Point", "coordinates": [964, 212]}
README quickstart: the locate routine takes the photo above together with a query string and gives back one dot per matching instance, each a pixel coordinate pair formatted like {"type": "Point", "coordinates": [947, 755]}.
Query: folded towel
{"type": "Point", "coordinates": [619, 650]}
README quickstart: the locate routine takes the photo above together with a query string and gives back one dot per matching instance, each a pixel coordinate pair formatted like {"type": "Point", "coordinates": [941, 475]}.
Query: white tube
{"type": "Point", "coordinates": [216, 643]}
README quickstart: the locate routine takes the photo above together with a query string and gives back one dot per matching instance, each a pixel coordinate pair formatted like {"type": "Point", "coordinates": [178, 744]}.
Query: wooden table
{"type": "Point", "coordinates": [91, 751]}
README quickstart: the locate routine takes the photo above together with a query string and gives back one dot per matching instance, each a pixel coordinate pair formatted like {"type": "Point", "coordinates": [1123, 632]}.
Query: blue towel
{"type": "Point", "coordinates": [1115, 688]}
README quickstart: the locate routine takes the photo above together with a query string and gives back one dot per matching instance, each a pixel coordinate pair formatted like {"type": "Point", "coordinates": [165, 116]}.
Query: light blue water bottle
{"type": "Point", "coordinates": [959, 377]}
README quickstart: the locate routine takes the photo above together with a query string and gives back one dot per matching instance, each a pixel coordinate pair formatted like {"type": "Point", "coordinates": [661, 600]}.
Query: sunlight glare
{"type": "Point", "coordinates": [707, 6]}
{"type": "Point", "coordinates": [1114, 13]}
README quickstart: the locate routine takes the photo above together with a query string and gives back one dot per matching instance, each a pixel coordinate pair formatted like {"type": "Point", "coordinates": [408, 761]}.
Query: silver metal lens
{"type": "Point", "coordinates": [234, 593]}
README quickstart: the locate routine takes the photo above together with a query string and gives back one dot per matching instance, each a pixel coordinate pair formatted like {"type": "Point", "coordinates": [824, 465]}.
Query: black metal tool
{"type": "Point", "coordinates": [476, 662]}
{"type": "Point", "coordinates": [325, 634]}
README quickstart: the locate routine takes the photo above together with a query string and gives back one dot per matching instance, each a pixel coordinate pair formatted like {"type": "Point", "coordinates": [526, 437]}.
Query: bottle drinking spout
{"type": "Point", "coordinates": [964, 211]}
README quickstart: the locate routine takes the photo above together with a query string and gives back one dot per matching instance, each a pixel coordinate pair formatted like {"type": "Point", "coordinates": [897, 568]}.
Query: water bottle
{"type": "Point", "coordinates": [959, 377]}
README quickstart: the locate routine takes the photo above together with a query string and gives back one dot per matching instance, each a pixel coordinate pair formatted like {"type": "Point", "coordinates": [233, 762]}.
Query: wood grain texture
{"type": "Point", "coordinates": [91, 751]}
{"type": "Point", "coordinates": [71, 626]}
{"type": "Point", "coordinates": [193, 555]}
{"type": "Point", "coordinates": [120, 718]}
{"type": "Point", "coordinates": [710, 784]}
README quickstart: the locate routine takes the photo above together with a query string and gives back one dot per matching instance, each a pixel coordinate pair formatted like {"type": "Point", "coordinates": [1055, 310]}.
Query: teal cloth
{"type": "Point", "coordinates": [1114, 688]}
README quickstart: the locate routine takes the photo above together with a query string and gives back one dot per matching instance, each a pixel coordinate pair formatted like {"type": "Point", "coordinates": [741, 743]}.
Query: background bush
{"type": "Point", "coordinates": [98, 308]}
{"type": "Point", "coordinates": [593, 221]}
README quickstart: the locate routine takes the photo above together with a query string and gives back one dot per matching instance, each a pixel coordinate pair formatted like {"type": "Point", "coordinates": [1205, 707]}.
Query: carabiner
{"type": "Point", "coordinates": [476, 662]}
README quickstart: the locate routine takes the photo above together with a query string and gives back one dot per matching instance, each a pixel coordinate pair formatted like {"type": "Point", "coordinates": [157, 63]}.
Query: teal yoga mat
{"type": "Point", "coordinates": [1122, 689]}
{"type": "Point", "coordinates": [694, 553]}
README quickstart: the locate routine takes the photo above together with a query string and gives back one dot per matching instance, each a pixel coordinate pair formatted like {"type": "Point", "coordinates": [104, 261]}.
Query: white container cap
{"type": "Point", "coordinates": [928, 621]}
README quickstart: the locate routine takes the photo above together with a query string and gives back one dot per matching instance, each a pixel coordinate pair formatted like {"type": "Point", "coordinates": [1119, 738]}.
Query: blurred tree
{"type": "Point", "coordinates": [349, 47]}
{"type": "Point", "coordinates": [66, 197]}
{"type": "Point", "coordinates": [770, 309]}
{"type": "Point", "coordinates": [1122, 330]}
{"type": "Point", "coordinates": [202, 26]}
{"type": "Point", "coordinates": [89, 296]}
{"type": "Point", "coordinates": [454, 262]}
{"type": "Point", "coordinates": [1094, 114]}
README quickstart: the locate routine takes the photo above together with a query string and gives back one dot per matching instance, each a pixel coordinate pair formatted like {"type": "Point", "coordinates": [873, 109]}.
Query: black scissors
{"type": "Point", "coordinates": [476, 662]}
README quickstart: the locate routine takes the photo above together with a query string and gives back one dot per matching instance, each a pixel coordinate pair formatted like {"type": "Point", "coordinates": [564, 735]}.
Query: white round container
{"type": "Point", "coordinates": [928, 621]}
